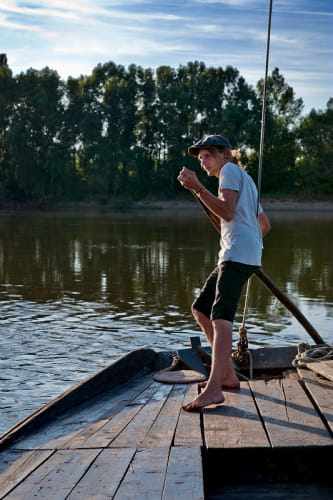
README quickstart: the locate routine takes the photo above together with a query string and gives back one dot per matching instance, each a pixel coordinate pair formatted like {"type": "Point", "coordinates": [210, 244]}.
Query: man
{"type": "Point", "coordinates": [243, 225]}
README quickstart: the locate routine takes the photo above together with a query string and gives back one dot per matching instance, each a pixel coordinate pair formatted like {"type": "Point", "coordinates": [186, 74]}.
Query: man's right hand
{"type": "Point", "coordinates": [189, 179]}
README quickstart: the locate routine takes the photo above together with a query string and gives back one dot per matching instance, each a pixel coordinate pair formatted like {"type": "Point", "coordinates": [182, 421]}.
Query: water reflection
{"type": "Point", "coordinates": [117, 259]}
{"type": "Point", "coordinates": [160, 260]}
{"type": "Point", "coordinates": [79, 290]}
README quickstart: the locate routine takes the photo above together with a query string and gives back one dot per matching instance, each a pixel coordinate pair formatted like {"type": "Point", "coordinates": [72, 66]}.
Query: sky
{"type": "Point", "coordinates": [72, 37]}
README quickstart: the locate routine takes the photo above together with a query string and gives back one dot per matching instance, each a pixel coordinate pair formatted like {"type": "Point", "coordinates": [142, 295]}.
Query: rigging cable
{"type": "Point", "coordinates": [243, 342]}
{"type": "Point", "coordinates": [264, 99]}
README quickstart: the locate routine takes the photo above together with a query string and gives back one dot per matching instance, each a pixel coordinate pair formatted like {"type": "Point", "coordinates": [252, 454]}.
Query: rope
{"type": "Point", "coordinates": [263, 111]}
{"type": "Point", "coordinates": [242, 354]}
{"type": "Point", "coordinates": [306, 355]}
{"type": "Point", "coordinates": [246, 303]}
{"type": "Point", "coordinates": [243, 344]}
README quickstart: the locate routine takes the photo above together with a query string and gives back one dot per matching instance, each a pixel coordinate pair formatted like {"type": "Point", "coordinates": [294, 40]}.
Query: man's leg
{"type": "Point", "coordinates": [205, 324]}
{"type": "Point", "coordinates": [221, 351]}
{"type": "Point", "coordinates": [229, 377]}
{"type": "Point", "coordinates": [229, 279]}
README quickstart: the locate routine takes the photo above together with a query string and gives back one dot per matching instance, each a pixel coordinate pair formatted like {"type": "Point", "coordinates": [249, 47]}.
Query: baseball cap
{"type": "Point", "coordinates": [209, 141]}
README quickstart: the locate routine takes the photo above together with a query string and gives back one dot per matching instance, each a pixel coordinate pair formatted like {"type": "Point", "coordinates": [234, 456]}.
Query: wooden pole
{"type": "Point", "coordinates": [268, 283]}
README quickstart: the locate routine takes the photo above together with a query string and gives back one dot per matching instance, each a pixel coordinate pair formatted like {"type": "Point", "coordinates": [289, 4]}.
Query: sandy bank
{"type": "Point", "coordinates": [270, 205]}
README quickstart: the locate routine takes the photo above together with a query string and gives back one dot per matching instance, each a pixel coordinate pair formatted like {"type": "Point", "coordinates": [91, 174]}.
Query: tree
{"type": "Point", "coordinates": [33, 136]}
{"type": "Point", "coordinates": [315, 161]}
{"type": "Point", "coordinates": [282, 114]}
{"type": "Point", "coordinates": [7, 97]}
{"type": "Point", "coordinates": [125, 132]}
{"type": "Point", "coordinates": [119, 112]}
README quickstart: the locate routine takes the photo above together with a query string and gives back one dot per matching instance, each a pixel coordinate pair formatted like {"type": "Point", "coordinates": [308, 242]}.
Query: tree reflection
{"type": "Point", "coordinates": [155, 261]}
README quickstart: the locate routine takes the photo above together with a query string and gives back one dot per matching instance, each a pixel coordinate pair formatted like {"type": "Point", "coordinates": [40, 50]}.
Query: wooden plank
{"type": "Point", "coordinates": [322, 393]}
{"type": "Point", "coordinates": [59, 432]}
{"type": "Point", "coordinates": [117, 373]}
{"type": "Point", "coordinates": [145, 476]}
{"type": "Point", "coordinates": [324, 368]}
{"type": "Point", "coordinates": [265, 358]}
{"type": "Point", "coordinates": [188, 431]}
{"type": "Point", "coordinates": [235, 423]}
{"type": "Point", "coordinates": [56, 477]}
{"type": "Point", "coordinates": [288, 414]}
{"type": "Point", "coordinates": [162, 431]}
{"type": "Point", "coordinates": [184, 478]}
{"type": "Point", "coordinates": [16, 466]}
{"type": "Point", "coordinates": [100, 434]}
{"type": "Point", "coordinates": [135, 432]}
{"type": "Point", "coordinates": [274, 358]}
{"type": "Point", "coordinates": [62, 428]}
{"type": "Point", "coordinates": [108, 432]}
{"type": "Point", "coordinates": [104, 476]}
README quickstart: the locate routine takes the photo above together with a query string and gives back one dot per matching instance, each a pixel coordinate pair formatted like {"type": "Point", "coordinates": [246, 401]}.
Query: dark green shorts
{"type": "Point", "coordinates": [220, 294]}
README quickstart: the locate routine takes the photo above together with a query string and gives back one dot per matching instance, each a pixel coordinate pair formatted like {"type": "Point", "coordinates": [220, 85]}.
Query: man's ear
{"type": "Point", "coordinates": [225, 156]}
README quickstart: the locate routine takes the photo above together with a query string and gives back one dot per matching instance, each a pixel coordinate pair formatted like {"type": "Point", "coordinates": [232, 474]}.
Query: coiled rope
{"type": "Point", "coordinates": [307, 354]}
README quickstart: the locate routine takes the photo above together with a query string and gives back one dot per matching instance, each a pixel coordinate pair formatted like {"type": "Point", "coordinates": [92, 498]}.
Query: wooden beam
{"type": "Point", "coordinates": [20, 464]}
{"type": "Point", "coordinates": [188, 431]}
{"type": "Point", "coordinates": [55, 477]}
{"type": "Point", "coordinates": [146, 475]}
{"type": "Point", "coordinates": [322, 393]}
{"type": "Point", "coordinates": [184, 477]}
{"type": "Point", "coordinates": [323, 368]}
{"type": "Point", "coordinates": [104, 476]}
{"type": "Point", "coordinates": [288, 414]}
{"type": "Point", "coordinates": [235, 423]}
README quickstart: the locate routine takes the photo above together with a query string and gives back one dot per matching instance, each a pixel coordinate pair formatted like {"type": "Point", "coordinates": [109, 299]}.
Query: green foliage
{"type": "Point", "coordinates": [315, 160]}
{"type": "Point", "coordinates": [279, 172]}
{"type": "Point", "coordinates": [123, 133]}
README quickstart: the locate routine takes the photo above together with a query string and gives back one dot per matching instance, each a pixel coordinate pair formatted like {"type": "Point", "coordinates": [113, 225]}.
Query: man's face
{"type": "Point", "coordinates": [212, 164]}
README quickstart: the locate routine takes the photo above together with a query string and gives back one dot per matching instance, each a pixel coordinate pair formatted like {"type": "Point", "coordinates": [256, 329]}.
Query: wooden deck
{"type": "Point", "coordinates": [134, 441]}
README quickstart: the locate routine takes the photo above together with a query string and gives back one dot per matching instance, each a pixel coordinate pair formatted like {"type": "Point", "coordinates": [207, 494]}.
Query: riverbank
{"type": "Point", "coordinates": [269, 204]}
{"type": "Point", "coordinates": [283, 204]}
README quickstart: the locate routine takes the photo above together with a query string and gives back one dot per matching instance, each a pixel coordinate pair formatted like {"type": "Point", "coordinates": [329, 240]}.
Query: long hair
{"type": "Point", "coordinates": [236, 158]}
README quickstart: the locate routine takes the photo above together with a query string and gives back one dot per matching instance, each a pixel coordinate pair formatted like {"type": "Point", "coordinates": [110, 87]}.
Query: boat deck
{"type": "Point", "coordinates": [135, 441]}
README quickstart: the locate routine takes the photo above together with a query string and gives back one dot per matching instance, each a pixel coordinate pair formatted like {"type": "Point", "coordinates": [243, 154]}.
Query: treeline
{"type": "Point", "coordinates": [124, 133]}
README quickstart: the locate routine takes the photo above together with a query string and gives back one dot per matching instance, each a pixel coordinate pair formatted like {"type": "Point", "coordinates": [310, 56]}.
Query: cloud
{"type": "Point", "coordinates": [47, 10]}
{"type": "Point", "coordinates": [73, 37]}
{"type": "Point", "coordinates": [4, 23]}
{"type": "Point", "coordinates": [232, 3]}
{"type": "Point", "coordinates": [83, 10]}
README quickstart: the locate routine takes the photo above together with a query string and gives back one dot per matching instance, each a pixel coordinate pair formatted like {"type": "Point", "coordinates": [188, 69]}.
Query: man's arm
{"type": "Point", "coordinates": [264, 223]}
{"type": "Point", "coordinates": [224, 207]}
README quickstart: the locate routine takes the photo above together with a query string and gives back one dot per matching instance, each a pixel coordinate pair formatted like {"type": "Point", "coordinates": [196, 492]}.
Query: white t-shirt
{"type": "Point", "coordinates": [241, 238]}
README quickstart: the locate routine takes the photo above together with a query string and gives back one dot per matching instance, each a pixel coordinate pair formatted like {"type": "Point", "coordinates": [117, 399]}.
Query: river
{"type": "Point", "coordinates": [79, 290]}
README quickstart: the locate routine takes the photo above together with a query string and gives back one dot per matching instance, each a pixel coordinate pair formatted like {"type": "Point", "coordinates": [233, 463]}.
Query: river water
{"type": "Point", "coordinates": [79, 290]}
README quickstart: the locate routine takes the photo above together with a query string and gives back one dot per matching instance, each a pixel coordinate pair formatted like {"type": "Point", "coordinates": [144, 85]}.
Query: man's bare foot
{"type": "Point", "coordinates": [206, 398]}
{"type": "Point", "coordinates": [228, 383]}
{"type": "Point", "coordinates": [231, 383]}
